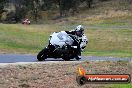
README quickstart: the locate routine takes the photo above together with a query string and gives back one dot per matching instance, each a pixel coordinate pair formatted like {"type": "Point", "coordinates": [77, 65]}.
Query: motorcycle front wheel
{"type": "Point", "coordinates": [42, 54]}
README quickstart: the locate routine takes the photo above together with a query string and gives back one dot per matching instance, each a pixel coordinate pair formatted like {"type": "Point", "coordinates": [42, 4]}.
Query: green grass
{"type": "Point", "coordinates": [119, 86]}
{"type": "Point", "coordinates": [103, 20]}
{"type": "Point", "coordinates": [31, 39]}
{"type": "Point", "coordinates": [109, 53]}
{"type": "Point", "coordinates": [114, 21]}
{"type": "Point", "coordinates": [109, 42]}
{"type": "Point", "coordinates": [21, 37]}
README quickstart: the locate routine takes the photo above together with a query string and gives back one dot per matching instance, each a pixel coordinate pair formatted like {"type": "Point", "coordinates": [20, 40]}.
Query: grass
{"type": "Point", "coordinates": [109, 53]}
{"type": "Point", "coordinates": [21, 37]}
{"type": "Point", "coordinates": [31, 39]}
{"type": "Point", "coordinates": [105, 14]}
{"type": "Point", "coordinates": [120, 86]}
{"type": "Point", "coordinates": [113, 42]}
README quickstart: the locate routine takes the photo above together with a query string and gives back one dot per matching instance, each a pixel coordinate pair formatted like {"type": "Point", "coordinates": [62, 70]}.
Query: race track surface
{"type": "Point", "coordinates": [14, 58]}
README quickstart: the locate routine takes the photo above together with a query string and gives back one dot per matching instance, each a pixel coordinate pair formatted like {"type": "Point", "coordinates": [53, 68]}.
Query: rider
{"type": "Point", "coordinates": [78, 31]}
{"type": "Point", "coordinates": [77, 34]}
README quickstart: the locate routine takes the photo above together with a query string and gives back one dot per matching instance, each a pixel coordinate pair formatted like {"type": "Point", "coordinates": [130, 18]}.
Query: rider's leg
{"type": "Point", "coordinates": [78, 50]}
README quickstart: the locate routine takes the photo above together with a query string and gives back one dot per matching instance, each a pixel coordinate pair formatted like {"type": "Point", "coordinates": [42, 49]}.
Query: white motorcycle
{"type": "Point", "coordinates": [61, 45]}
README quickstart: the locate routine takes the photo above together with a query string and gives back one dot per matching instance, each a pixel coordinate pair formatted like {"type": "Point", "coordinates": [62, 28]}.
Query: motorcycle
{"type": "Point", "coordinates": [61, 45]}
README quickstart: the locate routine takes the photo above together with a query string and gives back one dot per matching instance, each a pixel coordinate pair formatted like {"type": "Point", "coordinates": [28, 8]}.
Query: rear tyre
{"type": "Point", "coordinates": [42, 54]}
{"type": "Point", "coordinates": [77, 58]}
{"type": "Point", "coordinates": [66, 58]}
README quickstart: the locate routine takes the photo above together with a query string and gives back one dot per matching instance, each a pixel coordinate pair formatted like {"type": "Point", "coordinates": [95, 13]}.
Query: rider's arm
{"type": "Point", "coordinates": [70, 32]}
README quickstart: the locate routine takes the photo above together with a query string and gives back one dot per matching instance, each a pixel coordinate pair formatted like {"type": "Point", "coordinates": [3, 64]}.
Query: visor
{"type": "Point", "coordinates": [79, 33]}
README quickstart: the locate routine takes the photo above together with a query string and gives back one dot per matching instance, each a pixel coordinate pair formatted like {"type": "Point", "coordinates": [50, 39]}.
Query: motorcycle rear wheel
{"type": "Point", "coordinates": [66, 58]}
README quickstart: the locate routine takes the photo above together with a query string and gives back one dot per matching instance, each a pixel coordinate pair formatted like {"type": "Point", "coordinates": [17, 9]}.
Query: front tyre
{"type": "Point", "coordinates": [42, 54]}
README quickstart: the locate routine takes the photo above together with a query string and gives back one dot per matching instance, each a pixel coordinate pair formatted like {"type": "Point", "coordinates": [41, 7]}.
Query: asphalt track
{"type": "Point", "coordinates": [16, 58]}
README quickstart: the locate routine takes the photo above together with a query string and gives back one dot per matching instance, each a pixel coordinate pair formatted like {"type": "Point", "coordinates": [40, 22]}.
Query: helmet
{"type": "Point", "coordinates": [79, 30]}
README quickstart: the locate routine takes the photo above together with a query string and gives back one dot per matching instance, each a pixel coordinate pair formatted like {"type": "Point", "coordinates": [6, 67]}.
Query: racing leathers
{"type": "Point", "coordinates": [77, 42]}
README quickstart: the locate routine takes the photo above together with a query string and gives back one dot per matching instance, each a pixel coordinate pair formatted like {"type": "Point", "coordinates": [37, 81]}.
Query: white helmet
{"type": "Point", "coordinates": [79, 28]}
